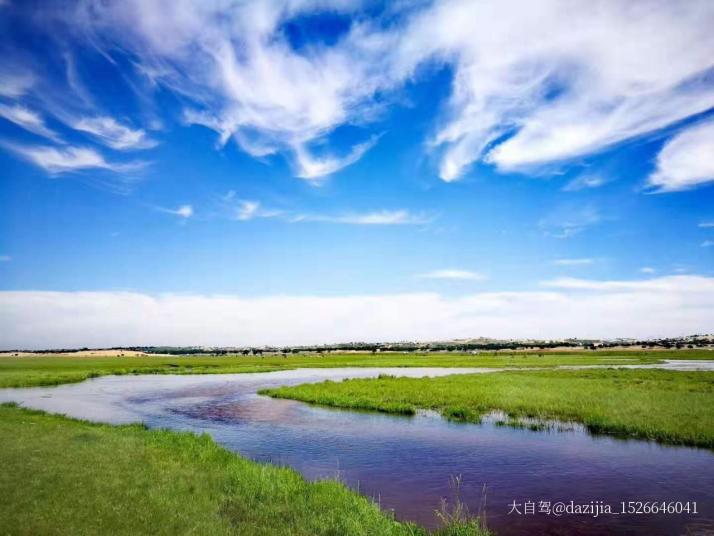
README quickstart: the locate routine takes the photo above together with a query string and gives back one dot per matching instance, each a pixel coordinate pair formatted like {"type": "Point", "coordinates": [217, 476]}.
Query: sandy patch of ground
{"type": "Point", "coordinates": [81, 353]}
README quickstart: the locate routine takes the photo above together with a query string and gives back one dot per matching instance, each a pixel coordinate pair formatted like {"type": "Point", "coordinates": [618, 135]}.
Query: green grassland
{"type": "Point", "coordinates": [63, 476]}
{"type": "Point", "coordinates": [667, 406]}
{"type": "Point", "coordinates": [38, 370]}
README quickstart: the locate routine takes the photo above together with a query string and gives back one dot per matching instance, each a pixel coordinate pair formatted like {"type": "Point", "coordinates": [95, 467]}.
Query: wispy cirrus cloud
{"type": "Point", "coordinates": [27, 119]}
{"type": "Point", "coordinates": [241, 75]}
{"type": "Point", "coordinates": [583, 182]}
{"type": "Point", "coordinates": [68, 159]}
{"type": "Point", "coordinates": [532, 85]}
{"type": "Point", "coordinates": [569, 220]}
{"type": "Point", "coordinates": [182, 211]}
{"type": "Point", "coordinates": [706, 224]}
{"type": "Point", "coordinates": [111, 133]}
{"type": "Point", "coordinates": [686, 161]}
{"type": "Point", "coordinates": [246, 209]}
{"type": "Point", "coordinates": [647, 270]}
{"type": "Point", "coordinates": [683, 283]}
{"type": "Point", "coordinates": [453, 274]}
{"type": "Point", "coordinates": [5, 258]}
{"type": "Point", "coordinates": [311, 167]}
{"type": "Point", "coordinates": [573, 262]}
{"type": "Point", "coordinates": [15, 82]}
{"type": "Point", "coordinates": [380, 217]}
{"type": "Point", "coordinates": [547, 82]}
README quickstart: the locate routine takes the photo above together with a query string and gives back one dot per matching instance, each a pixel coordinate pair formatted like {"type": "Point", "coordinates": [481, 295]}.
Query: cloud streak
{"type": "Point", "coordinates": [584, 182]}
{"type": "Point", "coordinates": [113, 134]}
{"type": "Point", "coordinates": [573, 262]}
{"type": "Point", "coordinates": [569, 220]}
{"type": "Point", "coordinates": [381, 217]}
{"type": "Point", "coordinates": [15, 83]}
{"type": "Point", "coordinates": [67, 159]}
{"type": "Point", "coordinates": [667, 306]}
{"type": "Point", "coordinates": [183, 211]}
{"type": "Point", "coordinates": [453, 274]}
{"type": "Point", "coordinates": [247, 209]}
{"type": "Point", "coordinates": [311, 167]}
{"type": "Point", "coordinates": [27, 119]}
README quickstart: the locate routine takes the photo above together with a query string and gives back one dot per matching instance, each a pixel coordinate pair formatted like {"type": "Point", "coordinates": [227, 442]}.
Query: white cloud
{"type": "Point", "coordinates": [533, 83]}
{"type": "Point", "coordinates": [706, 224]}
{"type": "Point", "coordinates": [68, 159]}
{"type": "Point", "coordinates": [310, 166]}
{"type": "Point", "coordinates": [247, 210]}
{"type": "Point", "coordinates": [647, 270]}
{"type": "Point", "coordinates": [15, 83]}
{"type": "Point", "coordinates": [113, 134]}
{"type": "Point", "coordinates": [465, 275]}
{"type": "Point", "coordinates": [562, 80]}
{"type": "Point", "coordinates": [27, 119]}
{"type": "Point", "coordinates": [568, 220]}
{"type": "Point", "coordinates": [381, 217]}
{"type": "Point", "coordinates": [242, 76]}
{"type": "Point", "coordinates": [708, 243]}
{"type": "Point", "coordinates": [668, 306]}
{"type": "Point", "coordinates": [584, 182]}
{"type": "Point", "coordinates": [184, 211]}
{"type": "Point", "coordinates": [573, 262]}
{"type": "Point", "coordinates": [5, 258]}
{"type": "Point", "coordinates": [687, 160]}
{"type": "Point", "coordinates": [682, 283]}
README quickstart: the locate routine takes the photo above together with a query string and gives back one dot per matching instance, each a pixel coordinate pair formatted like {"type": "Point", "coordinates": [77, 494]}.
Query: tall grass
{"type": "Point", "coordinates": [456, 518]}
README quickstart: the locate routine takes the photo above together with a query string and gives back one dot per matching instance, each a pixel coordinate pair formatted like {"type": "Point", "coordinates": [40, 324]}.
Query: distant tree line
{"type": "Point", "coordinates": [694, 341]}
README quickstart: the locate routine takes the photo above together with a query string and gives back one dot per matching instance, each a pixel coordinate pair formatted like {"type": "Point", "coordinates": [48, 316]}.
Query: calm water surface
{"type": "Point", "coordinates": [406, 462]}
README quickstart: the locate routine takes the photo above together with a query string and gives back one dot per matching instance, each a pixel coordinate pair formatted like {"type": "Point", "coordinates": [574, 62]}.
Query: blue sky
{"type": "Point", "coordinates": [460, 154]}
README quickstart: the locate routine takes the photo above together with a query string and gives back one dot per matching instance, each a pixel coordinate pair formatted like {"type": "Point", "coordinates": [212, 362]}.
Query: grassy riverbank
{"type": "Point", "coordinates": [63, 476]}
{"type": "Point", "coordinates": [671, 407]}
{"type": "Point", "coordinates": [38, 370]}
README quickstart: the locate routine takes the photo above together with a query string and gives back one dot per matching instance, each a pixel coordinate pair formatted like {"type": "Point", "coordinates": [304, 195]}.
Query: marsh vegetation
{"type": "Point", "coordinates": [669, 406]}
